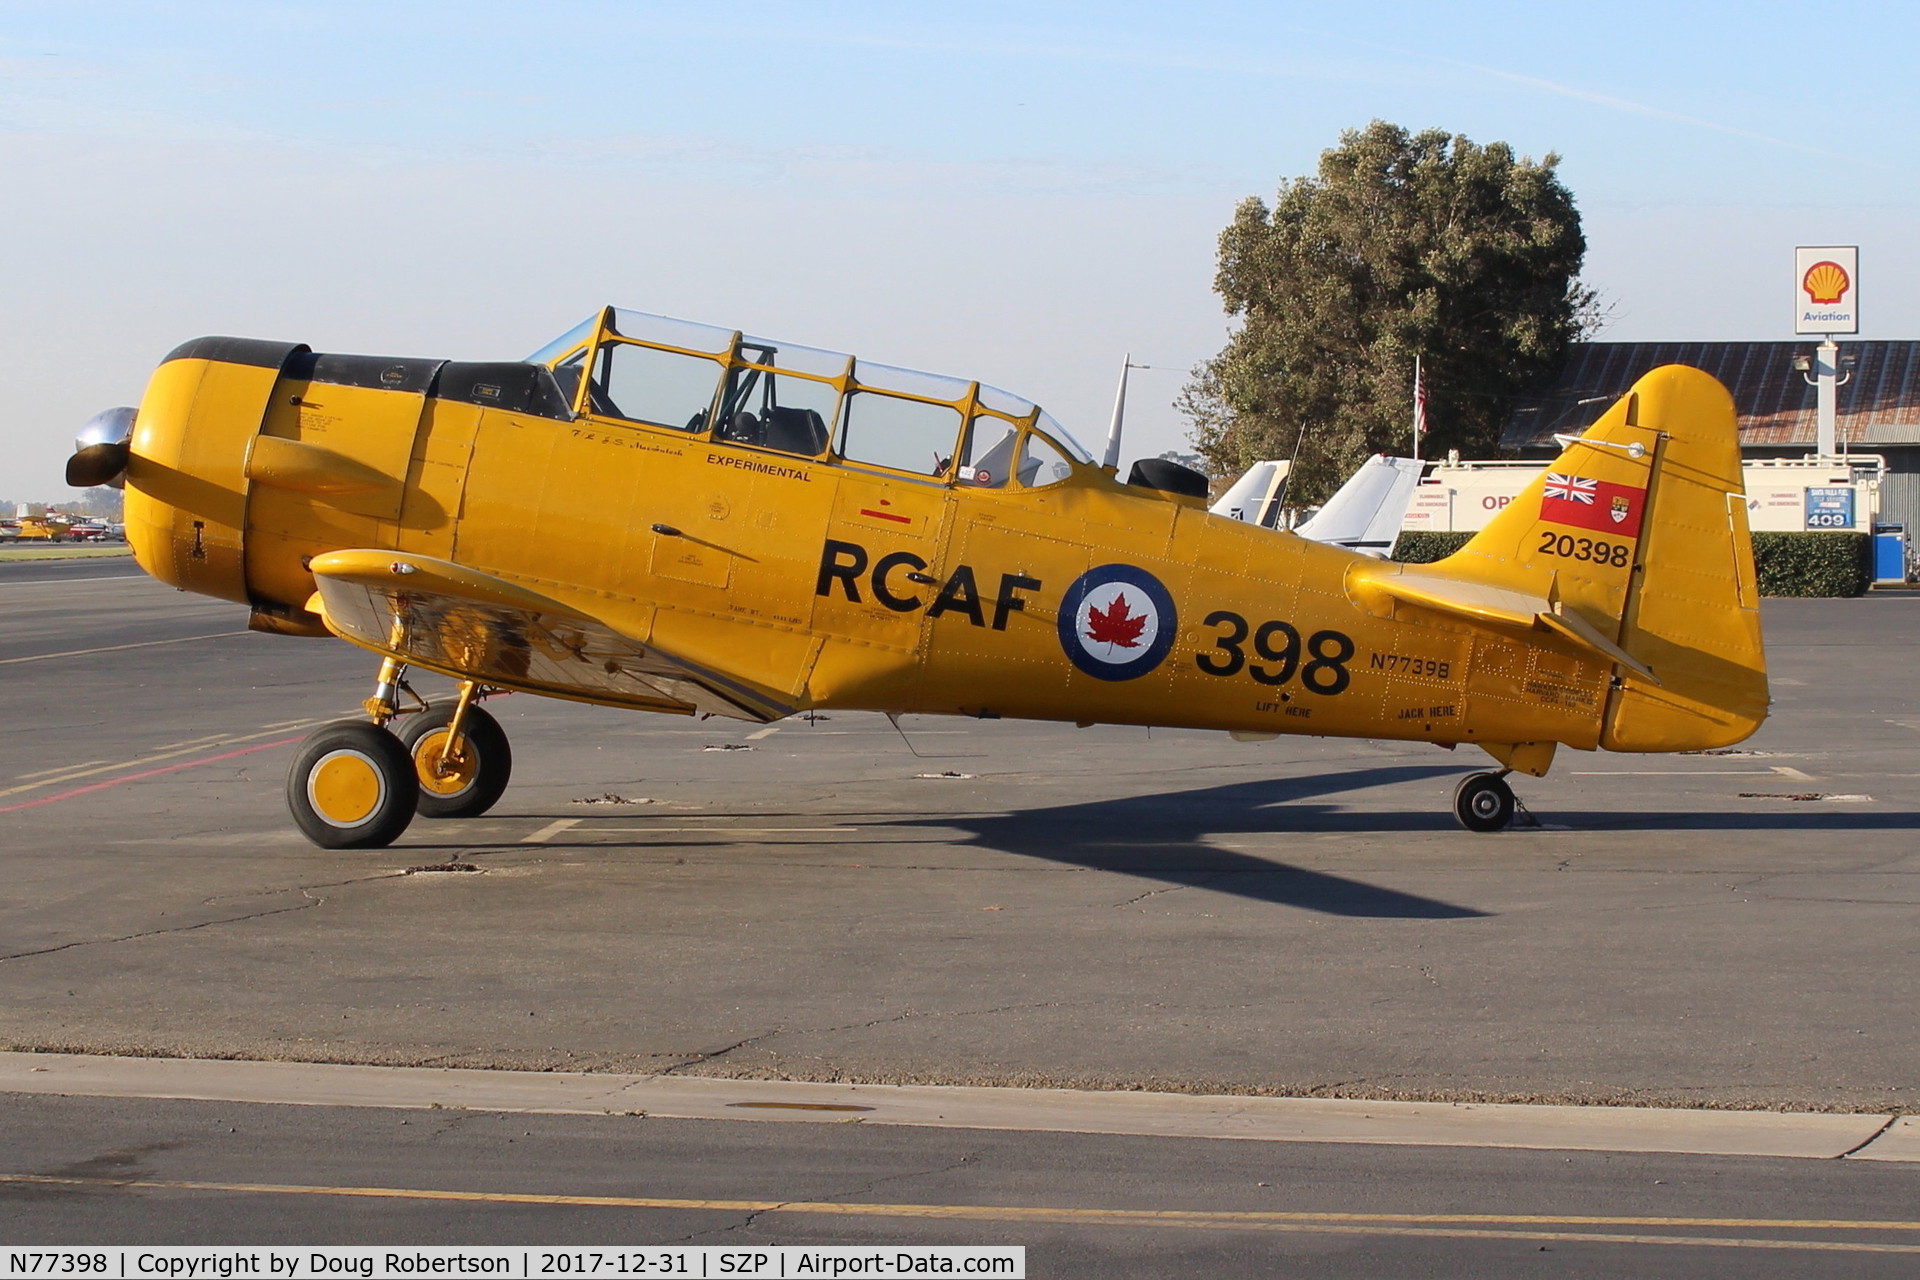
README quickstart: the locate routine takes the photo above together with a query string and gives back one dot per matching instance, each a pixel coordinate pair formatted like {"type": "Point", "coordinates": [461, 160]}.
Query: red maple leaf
{"type": "Point", "coordinates": [1116, 625]}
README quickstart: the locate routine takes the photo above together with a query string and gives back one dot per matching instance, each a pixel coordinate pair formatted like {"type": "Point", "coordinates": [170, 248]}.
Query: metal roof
{"type": "Point", "coordinates": [1880, 404]}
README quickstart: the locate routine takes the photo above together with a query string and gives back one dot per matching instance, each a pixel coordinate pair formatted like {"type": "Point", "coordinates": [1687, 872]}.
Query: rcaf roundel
{"type": "Point", "coordinates": [1117, 622]}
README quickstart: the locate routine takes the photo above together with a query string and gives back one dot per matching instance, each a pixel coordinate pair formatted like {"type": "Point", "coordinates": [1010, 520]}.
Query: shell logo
{"type": "Point", "coordinates": [1825, 283]}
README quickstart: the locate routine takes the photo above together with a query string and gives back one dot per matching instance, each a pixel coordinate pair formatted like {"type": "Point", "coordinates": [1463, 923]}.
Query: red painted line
{"type": "Point", "coordinates": [887, 515]}
{"type": "Point", "coordinates": [151, 773]}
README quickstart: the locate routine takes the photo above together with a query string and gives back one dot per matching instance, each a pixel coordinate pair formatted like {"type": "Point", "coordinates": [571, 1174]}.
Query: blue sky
{"type": "Point", "coordinates": [1016, 192]}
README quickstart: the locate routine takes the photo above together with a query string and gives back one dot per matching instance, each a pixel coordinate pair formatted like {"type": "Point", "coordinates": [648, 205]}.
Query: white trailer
{"type": "Point", "coordinates": [1783, 494]}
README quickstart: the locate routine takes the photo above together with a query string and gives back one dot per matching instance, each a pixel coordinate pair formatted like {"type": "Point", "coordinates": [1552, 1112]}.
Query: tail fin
{"type": "Point", "coordinates": [1633, 546]}
{"type": "Point", "coordinates": [1640, 527]}
{"type": "Point", "coordinates": [1367, 512]}
{"type": "Point", "coordinates": [1255, 496]}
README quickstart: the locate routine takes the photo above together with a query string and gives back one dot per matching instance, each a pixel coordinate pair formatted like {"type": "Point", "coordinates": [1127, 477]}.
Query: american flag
{"type": "Point", "coordinates": [1571, 488]}
{"type": "Point", "coordinates": [1419, 402]}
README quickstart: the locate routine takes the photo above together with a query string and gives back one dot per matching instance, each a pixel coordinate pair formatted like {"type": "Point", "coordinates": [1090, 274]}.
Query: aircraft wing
{"type": "Point", "coordinates": [462, 622]}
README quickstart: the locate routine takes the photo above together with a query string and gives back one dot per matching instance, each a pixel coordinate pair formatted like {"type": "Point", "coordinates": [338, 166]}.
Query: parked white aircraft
{"type": "Point", "coordinates": [1364, 516]}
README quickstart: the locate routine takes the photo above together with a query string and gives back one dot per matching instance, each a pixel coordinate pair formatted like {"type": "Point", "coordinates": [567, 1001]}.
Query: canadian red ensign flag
{"type": "Point", "coordinates": [1599, 505]}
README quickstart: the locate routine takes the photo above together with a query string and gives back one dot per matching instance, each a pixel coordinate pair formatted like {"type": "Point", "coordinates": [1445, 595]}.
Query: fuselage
{"type": "Point", "coordinates": [831, 582]}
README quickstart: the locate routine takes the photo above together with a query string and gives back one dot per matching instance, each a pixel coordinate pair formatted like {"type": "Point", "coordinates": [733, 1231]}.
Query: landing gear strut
{"type": "Point", "coordinates": [1484, 802]}
{"type": "Point", "coordinates": [355, 785]}
{"type": "Point", "coordinates": [461, 757]}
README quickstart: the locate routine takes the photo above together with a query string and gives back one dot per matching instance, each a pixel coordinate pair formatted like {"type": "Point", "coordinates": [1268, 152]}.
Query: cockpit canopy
{"type": "Point", "coordinates": [739, 389]}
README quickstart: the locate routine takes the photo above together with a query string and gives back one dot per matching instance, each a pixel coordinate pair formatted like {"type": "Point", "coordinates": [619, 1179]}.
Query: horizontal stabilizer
{"type": "Point", "coordinates": [1485, 604]}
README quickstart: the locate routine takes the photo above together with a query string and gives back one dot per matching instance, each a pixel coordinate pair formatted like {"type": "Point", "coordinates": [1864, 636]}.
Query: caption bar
{"type": "Point", "coordinates": [516, 1262]}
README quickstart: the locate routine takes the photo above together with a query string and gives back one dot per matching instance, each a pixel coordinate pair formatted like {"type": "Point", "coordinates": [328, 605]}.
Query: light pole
{"type": "Point", "coordinates": [1822, 373]}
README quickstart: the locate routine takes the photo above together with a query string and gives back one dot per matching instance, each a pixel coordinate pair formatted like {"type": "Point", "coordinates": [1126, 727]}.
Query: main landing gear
{"type": "Point", "coordinates": [1484, 802]}
{"type": "Point", "coordinates": [355, 785]}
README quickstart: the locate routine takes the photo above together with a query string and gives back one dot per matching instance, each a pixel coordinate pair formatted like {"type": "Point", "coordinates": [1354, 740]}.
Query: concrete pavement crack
{"type": "Point", "coordinates": [1870, 1139]}
{"type": "Point", "coordinates": [305, 891]}
{"type": "Point", "coordinates": [838, 1197]}
{"type": "Point", "coordinates": [911, 1014]}
{"type": "Point", "coordinates": [869, 1187]}
{"type": "Point", "coordinates": [705, 1059]}
{"type": "Point", "coordinates": [1200, 882]}
{"type": "Point", "coordinates": [715, 1055]}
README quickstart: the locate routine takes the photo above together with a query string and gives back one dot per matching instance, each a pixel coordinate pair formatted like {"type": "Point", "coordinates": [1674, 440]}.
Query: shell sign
{"type": "Point", "coordinates": [1826, 297]}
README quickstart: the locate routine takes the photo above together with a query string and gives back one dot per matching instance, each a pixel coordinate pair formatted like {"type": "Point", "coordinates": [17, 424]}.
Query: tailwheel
{"type": "Point", "coordinates": [1483, 802]}
{"type": "Point", "coordinates": [463, 781]}
{"type": "Point", "coordinates": [352, 787]}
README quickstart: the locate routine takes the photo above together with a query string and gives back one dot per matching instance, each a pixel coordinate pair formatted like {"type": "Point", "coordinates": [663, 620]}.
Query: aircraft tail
{"type": "Point", "coordinates": [1367, 512]}
{"type": "Point", "coordinates": [1255, 497]}
{"type": "Point", "coordinates": [1636, 537]}
{"type": "Point", "coordinates": [1640, 528]}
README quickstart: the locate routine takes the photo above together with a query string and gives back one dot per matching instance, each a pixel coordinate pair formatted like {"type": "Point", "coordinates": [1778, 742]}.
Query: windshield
{"type": "Point", "coordinates": [565, 342]}
{"type": "Point", "coordinates": [1051, 425]}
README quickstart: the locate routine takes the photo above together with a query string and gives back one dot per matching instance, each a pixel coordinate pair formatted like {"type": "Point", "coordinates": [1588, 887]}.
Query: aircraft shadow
{"type": "Point", "coordinates": [1161, 837]}
{"type": "Point", "coordinates": [1811, 817]}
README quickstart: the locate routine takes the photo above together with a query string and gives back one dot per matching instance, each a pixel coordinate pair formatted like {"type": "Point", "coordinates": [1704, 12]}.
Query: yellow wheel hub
{"type": "Point", "coordinates": [441, 773]}
{"type": "Point", "coordinates": [345, 788]}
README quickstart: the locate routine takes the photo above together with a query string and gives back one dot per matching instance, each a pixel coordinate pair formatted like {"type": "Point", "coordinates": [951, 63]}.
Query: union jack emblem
{"type": "Point", "coordinates": [1571, 488]}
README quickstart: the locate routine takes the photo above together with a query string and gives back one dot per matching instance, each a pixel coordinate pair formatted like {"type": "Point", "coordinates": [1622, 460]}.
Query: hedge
{"type": "Point", "coordinates": [1425, 546]}
{"type": "Point", "coordinates": [1787, 564]}
{"type": "Point", "coordinates": [1813, 564]}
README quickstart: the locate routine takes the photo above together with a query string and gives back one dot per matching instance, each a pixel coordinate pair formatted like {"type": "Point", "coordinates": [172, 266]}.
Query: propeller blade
{"type": "Point", "coordinates": [98, 464]}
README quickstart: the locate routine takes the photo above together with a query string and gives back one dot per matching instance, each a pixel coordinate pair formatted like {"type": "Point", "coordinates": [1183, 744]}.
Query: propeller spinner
{"type": "Point", "coordinates": [101, 449]}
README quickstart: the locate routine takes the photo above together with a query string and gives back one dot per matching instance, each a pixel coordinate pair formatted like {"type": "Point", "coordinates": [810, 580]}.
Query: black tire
{"type": "Point", "coordinates": [1483, 802]}
{"type": "Point", "coordinates": [352, 787]}
{"type": "Point", "coordinates": [478, 788]}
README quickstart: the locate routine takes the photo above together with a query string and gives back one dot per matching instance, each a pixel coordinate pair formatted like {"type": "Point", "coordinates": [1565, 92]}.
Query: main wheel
{"type": "Point", "coordinates": [464, 785]}
{"type": "Point", "coordinates": [351, 787]}
{"type": "Point", "coordinates": [1483, 802]}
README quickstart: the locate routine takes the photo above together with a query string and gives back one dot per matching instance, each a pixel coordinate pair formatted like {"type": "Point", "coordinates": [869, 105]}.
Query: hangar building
{"type": "Point", "coordinates": [1878, 407]}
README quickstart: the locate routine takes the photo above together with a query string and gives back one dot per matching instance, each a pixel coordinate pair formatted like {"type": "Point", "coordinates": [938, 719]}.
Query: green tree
{"type": "Point", "coordinates": [1404, 244]}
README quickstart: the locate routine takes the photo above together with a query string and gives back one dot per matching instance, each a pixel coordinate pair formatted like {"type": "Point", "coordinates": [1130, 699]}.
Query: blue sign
{"type": "Point", "coordinates": [1830, 508]}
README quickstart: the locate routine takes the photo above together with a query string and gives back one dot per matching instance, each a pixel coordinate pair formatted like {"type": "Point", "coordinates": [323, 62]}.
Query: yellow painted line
{"type": "Point", "coordinates": [549, 831]}
{"type": "Point", "coordinates": [192, 742]}
{"type": "Point", "coordinates": [59, 768]}
{"type": "Point", "coordinates": [80, 771]}
{"type": "Point", "coordinates": [1787, 770]}
{"type": "Point", "coordinates": [116, 648]}
{"type": "Point", "coordinates": [1448, 1225]}
{"type": "Point", "coordinates": [54, 582]}
{"type": "Point", "coordinates": [767, 732]}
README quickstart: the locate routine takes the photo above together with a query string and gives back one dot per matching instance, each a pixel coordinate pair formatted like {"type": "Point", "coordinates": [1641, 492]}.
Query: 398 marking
{"type": "Point", "coordinates": [1592, 550]}
{"type": "Point", "coordinates": [1276, 642]}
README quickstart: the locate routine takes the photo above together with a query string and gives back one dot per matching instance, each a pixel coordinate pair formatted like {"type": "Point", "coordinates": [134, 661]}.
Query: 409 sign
{"type": "Point", "coordinates": [1278, 643]}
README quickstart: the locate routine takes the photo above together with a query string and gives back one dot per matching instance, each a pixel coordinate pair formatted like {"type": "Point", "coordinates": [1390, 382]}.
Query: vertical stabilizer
{"type": "Point", "coordinates": [1639, 531]}
{"type": "Point", "coordinates": [1366, 513]}
{"type": "Point", "coordinates": [1255, 497]}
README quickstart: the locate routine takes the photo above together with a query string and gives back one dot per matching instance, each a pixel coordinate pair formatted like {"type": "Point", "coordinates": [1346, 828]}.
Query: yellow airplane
{"type": "Point", "coordinates": [661, 515]}
{"type": "Point", "coordinates": [47, 528]}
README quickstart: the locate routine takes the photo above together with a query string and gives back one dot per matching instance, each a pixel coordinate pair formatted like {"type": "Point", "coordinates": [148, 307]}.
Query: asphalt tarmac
{"type": "Point", "coordinates": [108, 1171]}
{"type": "Point", "coordinates": [970, 903]}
